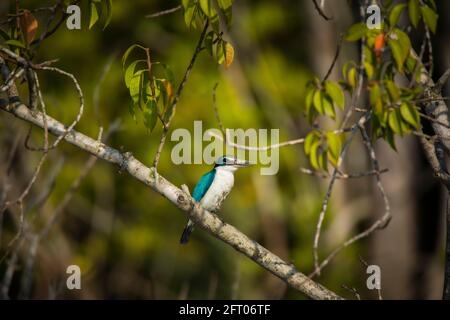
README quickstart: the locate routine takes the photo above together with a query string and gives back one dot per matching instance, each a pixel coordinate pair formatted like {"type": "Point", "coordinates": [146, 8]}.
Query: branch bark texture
{"type": "Point", "coordinates": [204, 219]}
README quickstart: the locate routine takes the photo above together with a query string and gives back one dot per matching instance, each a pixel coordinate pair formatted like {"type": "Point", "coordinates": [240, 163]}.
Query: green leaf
{"type": "Point", "coordinates": [109, 7]}
{"type": "Point", "coordinates": [328, 106]}
{"type": "Point", "coordinates": [135, 87]}
{"type": "Point", "coordinates": [393, 91]}
{"type": "Point", "coordinates": [414, 12]}
{"type": "Point", "coordinates": [224, 4]}
{"type": "Point", "coordinates": [369, 69]}
{"type": "Point", "coordinates": [309, 140]}
{"type": "Point", "coordinates": [334, 147]}
{"type": "Point", "coordinates": [390, 138]}
{"type": "Point", "coordinates": [352, 77]}
{"type": "Point", "coordinates": [150, 114]}
{"type": "Point", "coordinates": [309, 99]}
{"type": "Point", "coordinates": [395, 121]}
{"type": "Point", "coordinates": [400, 47]}
{"type": "Point", "coordinates": [220, 52]}
{"type": "Point", "coordinates": [129, 72]}
{"type": "Point", "coordinates": [335, 92]}
{"type": "Point", "coordinates": [94, 15]}
{"type": "Point", "coordinates": [207, 8]}
{"type": "Point", "coordinates": [127, 53]}
{"type": "Point", "coordinates": [318, 102]}
{"type": "Point", "coordinates": [376, 99]}
{"type": "Point", "coordinates": [356, 32]}
{"type": "Point", "coordinates": [15, 43]}
{"type": "Point", "coordinates": [313, 156]}
{"type": "Point", "coordinates": [323, 161]}
{"type": "Point", "coordinates": [410, 114]}
{"type": "Point", "coordinates": [430, 17]}
{"type": "Point", "coordinates": [394, 16]}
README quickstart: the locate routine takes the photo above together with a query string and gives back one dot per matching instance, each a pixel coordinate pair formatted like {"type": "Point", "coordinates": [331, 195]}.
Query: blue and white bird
{"type": "Point", "coordinates": [214, 187]}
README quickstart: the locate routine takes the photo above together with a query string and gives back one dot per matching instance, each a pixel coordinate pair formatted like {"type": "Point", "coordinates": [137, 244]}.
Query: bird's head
{"type": "Point", "coordinates": [230, 163]}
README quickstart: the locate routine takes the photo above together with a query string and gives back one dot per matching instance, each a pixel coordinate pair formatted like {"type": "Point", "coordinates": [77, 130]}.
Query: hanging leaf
{"type": "Point", "coordinates": [328, 106]}
{"type": "Point", "coordinates": [352, 77]}
{"type": "Point", "coordinates": [229, 54]}
{"type": "Point", "coordinates": [220, 52]}
{"type": "Point", "coordinates": [356, 32]}
{"type": "Point", "coordinates": [414, 12]}
{"type": "Point", "coordinates": [410, 114]}
{"type": "Point", "coordinates": [129, 72]}
{"type": "Point", "coordinates": [150, 114]}
{"type": "Point", "coordinates": [28, 26]}
{"type": "Point", "coordinates": [313, 155]}
{"type": "Point", "coordinates": [318, 102]}
{"type": "Point", "coordinates": [393, 91]}
{"type": "Point", "coordinates": [394, 16]}
{"type": "Point", "coordinates": [335, 92]}
{"type": "Point", "coordinates": [430, 17]}
{"type": "Point", "coordinates": [400, 46]}
{"type": "Point", "coordinates": [334, 147]}
{"type": "Point", "coordinates": [108, 13]}
{"type": "Point", "coordinates": [94, 15]}
{"type": "Point", "coordinates": [309, 141]}
{"type": "Point", "coordinates": [15, 43]}
{"type": "Point", "coordinates": [395, 121]}
{"type": "Point", "coordinates": [309, 99]}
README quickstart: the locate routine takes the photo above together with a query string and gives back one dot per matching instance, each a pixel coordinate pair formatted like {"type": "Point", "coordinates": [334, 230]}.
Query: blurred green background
{"type": "Point", "coordinates": [123, 235]}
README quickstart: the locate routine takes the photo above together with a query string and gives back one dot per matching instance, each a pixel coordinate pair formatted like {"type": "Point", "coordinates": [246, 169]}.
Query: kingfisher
{"type": "Point", "coordinates": [213, 187]}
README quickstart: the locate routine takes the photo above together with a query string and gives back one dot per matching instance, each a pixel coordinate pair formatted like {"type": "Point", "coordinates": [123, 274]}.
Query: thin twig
{"type": "Point", "coordinates": [164, 12]}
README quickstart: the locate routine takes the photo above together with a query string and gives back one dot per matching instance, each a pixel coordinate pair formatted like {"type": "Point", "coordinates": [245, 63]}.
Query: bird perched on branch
{"type": "Point", "coordinates": [214, 187]}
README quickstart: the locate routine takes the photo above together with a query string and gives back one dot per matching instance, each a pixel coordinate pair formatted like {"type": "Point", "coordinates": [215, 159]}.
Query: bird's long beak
{"type": "Point", "coordinates": [241, 163]}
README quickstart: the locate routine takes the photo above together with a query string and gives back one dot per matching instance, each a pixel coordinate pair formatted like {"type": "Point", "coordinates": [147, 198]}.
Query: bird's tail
{"type": "Point", "coordinates": [187, 232]}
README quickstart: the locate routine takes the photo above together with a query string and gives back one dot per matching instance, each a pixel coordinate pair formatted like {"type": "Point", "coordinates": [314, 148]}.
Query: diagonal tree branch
{"type": "Point", "coordinates": [204, 219]}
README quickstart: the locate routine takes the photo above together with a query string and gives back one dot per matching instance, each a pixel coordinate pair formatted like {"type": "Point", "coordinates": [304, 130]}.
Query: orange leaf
{"type": "Point", "coordinates": [379, 45]}
{"type": "Point", "coordinates": [28, 25]}
{"type": "Point", "coordinates": [229, 55]}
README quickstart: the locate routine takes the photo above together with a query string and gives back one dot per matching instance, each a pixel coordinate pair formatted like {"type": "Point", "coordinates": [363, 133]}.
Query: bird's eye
{"type": "Point", "coordinates": [225, 160]}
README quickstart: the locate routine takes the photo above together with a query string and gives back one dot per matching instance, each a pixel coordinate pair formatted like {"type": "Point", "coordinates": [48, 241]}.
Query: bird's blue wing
{"type": "Point", "coordinates": [203, 185]}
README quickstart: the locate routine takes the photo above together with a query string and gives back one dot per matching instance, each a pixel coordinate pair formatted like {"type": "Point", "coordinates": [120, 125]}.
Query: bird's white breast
{"type": "Point", "coordinates": [218, 191]}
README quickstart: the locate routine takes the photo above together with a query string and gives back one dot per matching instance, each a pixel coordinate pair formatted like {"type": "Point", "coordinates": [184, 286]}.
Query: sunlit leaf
{"type": "Point", "coordinates": [395, 121]}
{"type": "Point", "coordinates": [356, 32]}
{"type": "Point", "coordinates": [94, 15]}
{"type": "Point", "coordinates": [335, 92]}
{"type": "Point", "coordinates": [334, 147]}
{"type": "Point", "coordinates": [393, 91]}
{"type": "Point", "coordinates": [229, 54]}
{"type": "Point", "coordinates": [410, 114]}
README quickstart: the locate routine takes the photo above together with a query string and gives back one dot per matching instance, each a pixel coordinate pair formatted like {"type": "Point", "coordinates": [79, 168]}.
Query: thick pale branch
{"type": "Point", "coordinates": [201, 217]}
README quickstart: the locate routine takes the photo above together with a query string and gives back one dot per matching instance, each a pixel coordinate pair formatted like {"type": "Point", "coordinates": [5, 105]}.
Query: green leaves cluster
{"type": "Point", "coordinates": [96, 9]}
{"type": "Point", "coordinates": [427, 12]}
{"type": "Point", "coordinates": [323, 98]}
{"type": "Point", "coordinates": [147, 92]}
{"type": "Point", "coordinates": [197, 12]}
{"type": "Point", "coordinates": [394, 110]}
{"type": "Point", "coordinates": [323, 148]}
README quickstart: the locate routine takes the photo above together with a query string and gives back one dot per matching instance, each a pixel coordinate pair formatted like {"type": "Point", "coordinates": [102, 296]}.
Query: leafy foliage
{"type": "Point", "coordinates": [386, 52]}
